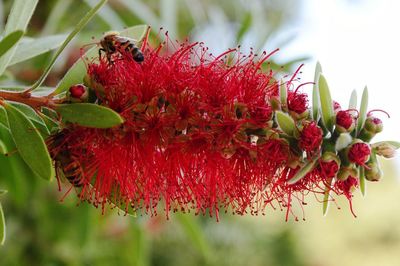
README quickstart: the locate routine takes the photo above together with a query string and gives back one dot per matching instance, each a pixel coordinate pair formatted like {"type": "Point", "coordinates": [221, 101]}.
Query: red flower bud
{"type": "Point", "coordinates": [329, 165]}
{"type": "Point", "coordinates": [345, 121]}
{"type": "Point", "coordinates": [359, 153]}
{"type": "Point", "coordinates": [310, 137]}
{"type": "Point", "coordinates": [297, 102]}
{"type": "Point", "coordinates": [78, 93]}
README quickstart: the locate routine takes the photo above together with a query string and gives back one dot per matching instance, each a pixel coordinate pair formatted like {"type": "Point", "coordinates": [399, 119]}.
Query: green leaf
{"type": "Point", "coordinates": [3, 192]}
{"type": "Point", "coordinates": [285, 122]}
{"type": "Point", "coordinates": [395, 144]}
{"type": "Point", "coordinates": [14, 171]}
{"type": "Point", "coordinates": [326, 201]}
{"type": "Point", "coordinates": [33, 47]}
{"type": "Point", "coordinates": [9, 41]}
{"type": "Point", "coordinates": [2, 226]}
{"type": "Point", "coordinates": [283, 94]}
{"type": "Point", "coordinates": [315, 95]}
{"type": "Point", "coordinates": [82, 23]}
{"type": "Point", "coordinates": [89, 115]}
{"type": "Point", "coordinates": [108, 15]}
{"type": "Point", "coordinates": [18, 19]}
{"type": "Point", "coordinates": [303, 171]}
{"type": "Point", "coordinates": [353, 100]}
{"type": "Point", "coordinates": [3, 147]}
{"type": "Point", "coordinates": [362, 180]}
{"type": "Point", "coordinates": [3, 116]}
{"type": "Point", "coordinates": [244, 26]}
{"type": "Point", "coordinates": [363, 110]}
{"type": "Point", "coordinates": [27, 111]}
{"type": "Point", "coordinates": [56, 15]}
{"type": "Point", "coordinates": [78, 71]}
{"type": "Point", "coordinates": [194, 233]}
{"type": "Point", "coordinates": [29, 143]}
{"type": "Point", "coordinates": [326, 103]}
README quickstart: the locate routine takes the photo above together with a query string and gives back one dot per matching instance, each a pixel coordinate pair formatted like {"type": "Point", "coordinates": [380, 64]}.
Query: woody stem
{"type": "Point", "coordinates": [33, 101]}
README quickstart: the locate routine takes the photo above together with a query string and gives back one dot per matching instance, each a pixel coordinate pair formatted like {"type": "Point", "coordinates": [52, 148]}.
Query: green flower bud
{"type": "Point", "coordinates": [347, 171]}
{"type": "Point", "coordinates": [385, 149]}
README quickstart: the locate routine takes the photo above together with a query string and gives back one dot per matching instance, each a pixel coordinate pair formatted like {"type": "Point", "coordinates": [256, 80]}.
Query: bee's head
{"type": "Point", "coordinates": [110, 34]}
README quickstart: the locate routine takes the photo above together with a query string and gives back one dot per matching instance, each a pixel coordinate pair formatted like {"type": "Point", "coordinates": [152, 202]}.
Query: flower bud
{"type": "Point", "coordinates": [297, 104]}
{"type": "Point", "coordinates": [358, 152]}
{"type": "Point", "coordinates": [373, 172]}
{"type": "Point", "coordinates": [347, 171]}
{"type": "Point", "coordinates": [385, 149]}
{"type": "Point", "coordinates": [371, 127]}
{"type": "Point", "coordinates": [329, 164]}
{"type": "Point", "coordinates": [310, 137]}
{"type": "Point", "coordinates": [345, 122]}
{"type": "Point", "coordinates": [78, 93]}
{"type": "Point", "coordinates": [373, 124]}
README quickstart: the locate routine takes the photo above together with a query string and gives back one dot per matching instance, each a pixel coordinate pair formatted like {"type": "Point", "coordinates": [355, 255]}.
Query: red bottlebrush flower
{"type": "Point", "coordinates": [198, 134]}
{"type": "Point", "coordinates": [297, 102]}
{"type": "Point", "coordinates": [310, 137]}
{"type": "Point", "coordinates": [187, 134]}
{"type": "Point", "coordinates": [345, 121]}
{"type": "Point", "coordinates": [359, 153]}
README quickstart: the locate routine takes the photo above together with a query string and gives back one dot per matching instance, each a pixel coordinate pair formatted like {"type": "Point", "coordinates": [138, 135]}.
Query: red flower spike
{"type": "Point", "coordinates": [198, 135]}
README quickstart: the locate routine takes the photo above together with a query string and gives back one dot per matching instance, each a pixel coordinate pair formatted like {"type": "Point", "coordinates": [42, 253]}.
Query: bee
{"type": "Point", "coordinates": [66, 165]}
{"type": "Point", "coordinates": [112, 43]}
{"type": "Point", "coordinates": [71, 169]}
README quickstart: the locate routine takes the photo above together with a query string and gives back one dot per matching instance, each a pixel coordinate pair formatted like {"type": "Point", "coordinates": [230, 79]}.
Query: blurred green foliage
{"type": "Point", "coordinates": [42, 230]}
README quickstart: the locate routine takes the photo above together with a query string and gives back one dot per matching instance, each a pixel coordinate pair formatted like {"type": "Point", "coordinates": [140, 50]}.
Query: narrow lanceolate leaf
{"type": "Point", "coordinates": [82, 23]}
{"type": "Point", "coordinates": [315, 95]}
{"type": "Point", "coordinates": [362, 181]}
{"type": "Point", "coordinates": [306, 169]}
{"type": "Point", "coordinates": [20, 14]}
{"type": "Point", "coordinates": [326, 103]}
{"type": "Point", "coordinates": [9, 41]}
{"type": "Point", "coordinates": [2, 226]}
{"type": "Point", "coordinates": [327, 192]}
{"type": "Point", "coordinates": [77, 72]}
{"type": "Point", "coordinates": [353, 100]}
{"type": "Point", "coordinates": [283, 94]}
{"type": "Point", "coordinates": [27, 49]}
{"type": "Point", "coordinates": [363, 110]}
{"type": "Point", "coordinates": [286, 123]}
{"type": "Point", "coordinates": [29, 143]}
{"type": "Point", "coordinates": [89, 115]}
